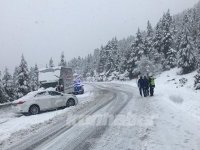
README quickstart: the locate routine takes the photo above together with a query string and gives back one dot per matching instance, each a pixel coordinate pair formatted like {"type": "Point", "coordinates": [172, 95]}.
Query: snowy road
{"type": "Point", "coordinates": [119, 119]}
{"type": "Point", "coordinates": [84, 134]}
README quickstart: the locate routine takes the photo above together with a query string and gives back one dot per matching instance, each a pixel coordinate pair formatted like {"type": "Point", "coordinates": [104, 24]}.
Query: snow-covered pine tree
{"type": "Point", "coordinates": [36, 70]}
{"type": "Point", "coordinates": [115, 55]}
{"type": "Point", "coordinates": [130, 62]}
{"type": "Point", "coordinates": [197, 80]}
{"type": "Point", "coordinates": [96, 57]}
{"type": "Point", "coordinates": [109, 65]}
{"type": "Point", "coordinates": [157, 41]}
{"type": "Point", "coordinates": [34, 83]}
{"type": "Point", "coordinates": [22, 77]}
{"type": "Point", "coordinates": [102, 60]}
{"type": "Point", "coordinates": [15, 74]}
{"type": "Point", "coordinates": [51, 64]}
{"type": "Point", "coordinates": [186, 57]}
{"type": "Point", "coordinates": [138, 46]}
{"type": "Point", "coordinates": [171, 59]}
{"type": "Point", "coordinates": [167, 42]}
{"type": "Point", "coordinates": [125, 50]}
{"type": "Point", "coordinates": [156, 52]}
{"type": "Point", "coordinates": [3, 95]}
{"type": "Point", "coordinates": [149, 29]}
{"type": "Point", "coordinates": [148, 41]}
{"type": "Point", "coordinates": [166, 34]}
{"type": "Point", "coordinates": [62, 60]}
{"type": "Point", "coordinates": [7, 81]}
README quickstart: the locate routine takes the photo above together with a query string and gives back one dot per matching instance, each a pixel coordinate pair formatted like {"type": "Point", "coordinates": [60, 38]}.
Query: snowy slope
{"type": "Point", "coordinates": [169, 88]}
{"type": "Point", "coordinates": [169, 120]}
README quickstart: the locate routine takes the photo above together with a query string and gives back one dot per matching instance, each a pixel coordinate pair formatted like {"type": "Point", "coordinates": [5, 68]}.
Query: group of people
{"type": "Point", "coordinates": [60, 88]}
{"type": "Point", "coordinates": [146, 86]}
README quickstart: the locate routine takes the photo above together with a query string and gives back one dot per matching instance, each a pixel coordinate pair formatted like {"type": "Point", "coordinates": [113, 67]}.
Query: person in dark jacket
{"type": "Point", "coordinates": [141, 85]}
{"type": "Point", "coordinates": [146, 87]}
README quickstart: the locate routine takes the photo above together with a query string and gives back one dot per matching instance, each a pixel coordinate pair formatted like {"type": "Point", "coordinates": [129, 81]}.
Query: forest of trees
{"type": "Point", "coordinates": [23, 80]}
{"type": "Point", "coordinates": [173, 42]}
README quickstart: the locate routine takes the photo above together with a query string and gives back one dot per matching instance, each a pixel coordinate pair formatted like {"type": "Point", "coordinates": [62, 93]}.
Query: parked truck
{"type": "Point", "coordinates": [60, 78]}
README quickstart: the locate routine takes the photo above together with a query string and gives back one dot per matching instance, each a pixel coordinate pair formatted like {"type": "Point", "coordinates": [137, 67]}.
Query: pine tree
{"type": "Point", "coordinates": [148, 41]}
{"type": "Point", "coordinates": [197, 80]}
{"type": "Point", "coordinates": [115, 55]}
{"type": "Point", "coordinates": [149, 29]}
{"type": "Point", "coordinates": [3, 95]}
{"type": "Point", "coordinates": [34, 82]}
{"type": "Point", "coordinates": [170, 61]}
{"type": "Point", "coordinates": [62, 60]}
{"type": "Point", "coordinates": [186, 58]}
{"type": "Point", "coordinates": [23, 78]}
{"type": "Point", "coordinates": [157, 41]}
{"type": "Point", "coordinates": [167, 37]}
{"type": "Point", "coordinates": [102, 60]}
{"type": "Point", "coordinates": [130, 62]}
{"type": "Point", "coordinates": [138, 46]}
{"type": "Point", "coordinates": [51, 64]}
{"type": "Point", "coordinates": [109, 64]}
{"type": "Point", "coordinates": [15, 84]}
{"type": "Point", "coordinates": [7, 81]}
{"type": "Point", "coordinates": [96, 58]}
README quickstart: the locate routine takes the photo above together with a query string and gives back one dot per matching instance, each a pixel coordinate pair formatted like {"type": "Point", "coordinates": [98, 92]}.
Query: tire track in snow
{"type": "Point", "coordinates": [99, 131]}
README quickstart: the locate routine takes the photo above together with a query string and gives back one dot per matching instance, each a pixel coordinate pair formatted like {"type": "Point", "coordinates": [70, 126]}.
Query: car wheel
{"type": "Point", "coordinates": [34, 110]}
{"type": "Point", "coordinates": [70, 102]}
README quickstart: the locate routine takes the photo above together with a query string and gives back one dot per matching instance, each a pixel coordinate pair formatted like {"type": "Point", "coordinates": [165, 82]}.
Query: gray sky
{"type": "Point", "coordinates": [41, 29]}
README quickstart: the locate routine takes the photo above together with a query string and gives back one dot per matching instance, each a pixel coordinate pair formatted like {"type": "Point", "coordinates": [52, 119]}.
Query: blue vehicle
{"type": "Point", "coordinates": [78, 87]}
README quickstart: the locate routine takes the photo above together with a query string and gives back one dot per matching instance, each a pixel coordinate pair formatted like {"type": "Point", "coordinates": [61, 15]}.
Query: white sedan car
{"type": "Point", "coordinates": [37, 101]}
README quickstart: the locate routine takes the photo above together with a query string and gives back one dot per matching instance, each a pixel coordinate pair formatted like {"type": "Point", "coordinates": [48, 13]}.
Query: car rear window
{"type": "Point", "coordinates": [41, 94]}
{"type": "Point", "coordinates": [54, 93]}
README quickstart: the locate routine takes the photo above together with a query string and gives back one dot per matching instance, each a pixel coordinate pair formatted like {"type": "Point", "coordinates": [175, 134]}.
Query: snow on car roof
{"type": "Point", "coordinates": [32, 94]}
{"type": "Point", "coordinates": [49, 74]}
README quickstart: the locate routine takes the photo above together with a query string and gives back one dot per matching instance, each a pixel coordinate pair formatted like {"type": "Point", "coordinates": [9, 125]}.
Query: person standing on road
{"type": "Point", "coordinates": [141, 85]}
{"type": "Point", "coordinates": [146, 87]}
{"type": "Point", "coordinates": [152, 85]}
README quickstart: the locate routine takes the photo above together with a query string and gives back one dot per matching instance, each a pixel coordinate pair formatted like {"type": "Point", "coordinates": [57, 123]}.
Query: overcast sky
{"type": "Point", "coordinates": [41, 29]}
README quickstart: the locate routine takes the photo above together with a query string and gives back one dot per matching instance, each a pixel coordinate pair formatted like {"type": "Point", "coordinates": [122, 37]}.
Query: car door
{"type": "Point", "coordinates": [43, 100]}
{"type": "Point", "coordinates": [57, 99]}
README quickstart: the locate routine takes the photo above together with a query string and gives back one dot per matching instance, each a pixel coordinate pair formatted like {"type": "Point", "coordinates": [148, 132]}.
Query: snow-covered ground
{"type": "Point", "coordinates": [170, 89]}
{"type": "Point", "coordinates": [11, 123]}
{"type": "Point", "coordinates": [170, 120]}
